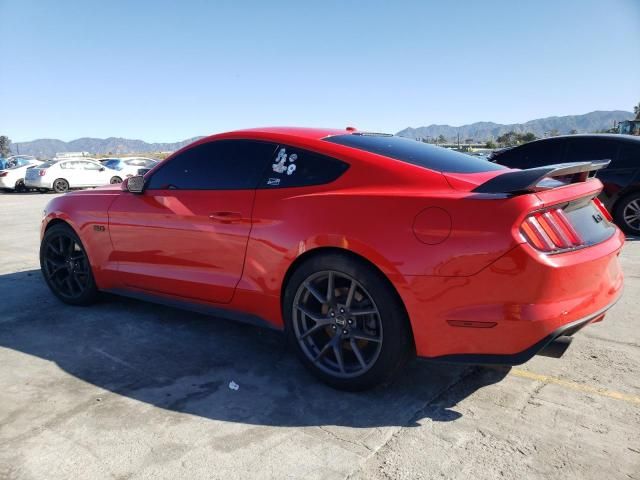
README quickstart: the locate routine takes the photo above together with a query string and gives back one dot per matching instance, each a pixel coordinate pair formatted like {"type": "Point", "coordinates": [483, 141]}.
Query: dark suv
{"type": "Point", "coordinates": [621, 179]}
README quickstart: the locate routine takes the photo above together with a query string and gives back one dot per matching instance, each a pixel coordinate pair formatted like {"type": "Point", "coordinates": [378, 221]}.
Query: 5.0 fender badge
{"type": "Point", "coordinates": [99, 228]}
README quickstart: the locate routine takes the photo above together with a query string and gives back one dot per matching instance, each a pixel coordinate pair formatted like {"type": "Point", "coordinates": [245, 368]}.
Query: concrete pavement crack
{"type": "Point", "coordinates": [414, 418]}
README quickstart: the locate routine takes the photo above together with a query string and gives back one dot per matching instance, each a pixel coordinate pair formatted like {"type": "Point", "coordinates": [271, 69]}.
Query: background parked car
{"type": "Point", "coordinates": [63, 175]}
{"type": "Point", "coordinates": [621, 179]}
{"type": "Point", "coordinates": [13, 173]}
{"type": "Point", "coordinates": [129, 166]}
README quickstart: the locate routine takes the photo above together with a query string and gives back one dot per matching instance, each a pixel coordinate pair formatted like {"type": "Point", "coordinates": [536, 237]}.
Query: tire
{"type": "Point", "coordinates": [60, 185]}
{"type": "Point", "coordinates": [115, 180]}
{"type": "Point", "coordinates": [65, 266]}
{"type": "Point", "coordinates": [352, 344]}
{"type": "Point", "coordinates": [21, 187]}
{"type": "Point", "coordinates": [43, 190]}
{"type": "Point", "coordinates": [627, 213]}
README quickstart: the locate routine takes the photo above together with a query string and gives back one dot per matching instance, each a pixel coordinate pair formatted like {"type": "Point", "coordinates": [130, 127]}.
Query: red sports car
{"type": "Point", "coordinates": [365, 248]}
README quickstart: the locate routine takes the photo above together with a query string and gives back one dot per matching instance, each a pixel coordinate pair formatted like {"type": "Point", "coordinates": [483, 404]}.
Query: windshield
{"type": "Point", "coordinates": [416, 153]}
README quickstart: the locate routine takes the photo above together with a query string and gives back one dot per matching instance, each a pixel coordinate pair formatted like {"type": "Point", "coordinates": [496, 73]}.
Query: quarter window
{"type": "Point", "coordinates": [581, 150]}
{"type": "Point", "coordinates": [629, 157]}
{"type": "Point", "coordinates": [217, 165]}
{"type": "Point", "coordinates": [296, 167]}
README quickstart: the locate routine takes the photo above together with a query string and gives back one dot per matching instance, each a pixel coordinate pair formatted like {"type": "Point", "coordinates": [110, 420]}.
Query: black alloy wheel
{"type": "Point", "coordinates": [337, 324]}
{"type": "Point", "coordinates": [65, 266]}
{"type": "Point", "coordinates": [346, 322]}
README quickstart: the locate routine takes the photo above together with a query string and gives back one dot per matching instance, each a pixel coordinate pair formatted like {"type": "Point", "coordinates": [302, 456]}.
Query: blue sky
{"type": "Point", "coordinates": [168, 70]}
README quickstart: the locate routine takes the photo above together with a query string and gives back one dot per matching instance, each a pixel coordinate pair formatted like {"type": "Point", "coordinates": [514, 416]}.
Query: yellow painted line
{"type": "Point", "coordinates": [625, 397]}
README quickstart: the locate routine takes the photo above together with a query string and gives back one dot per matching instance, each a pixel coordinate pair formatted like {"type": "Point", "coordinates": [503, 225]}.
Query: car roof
{"type": "Point", "coordinates": [302, 132]}
{"type": "Point", "coordinates": [599, 136]}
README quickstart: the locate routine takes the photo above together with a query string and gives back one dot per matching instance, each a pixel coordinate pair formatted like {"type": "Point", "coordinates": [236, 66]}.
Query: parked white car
{"type": "Point", "coordinates": [12, 176]}
{"type": "Point", "coordinates": [65, 174]}
{"type": "Point", "coordinates": [129, 166]}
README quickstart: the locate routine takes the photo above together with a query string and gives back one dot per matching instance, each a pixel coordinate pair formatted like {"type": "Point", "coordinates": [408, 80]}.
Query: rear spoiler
{"type": "Point", "coordinates": [520, 181]}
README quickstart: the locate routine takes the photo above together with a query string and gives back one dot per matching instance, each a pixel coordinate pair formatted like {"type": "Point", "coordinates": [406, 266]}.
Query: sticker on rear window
{"type": "Point", "coordinates": [285, 163]}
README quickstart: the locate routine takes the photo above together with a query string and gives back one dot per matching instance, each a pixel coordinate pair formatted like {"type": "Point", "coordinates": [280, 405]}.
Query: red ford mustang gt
{"type": "Point", "coordinates": [364, 248]}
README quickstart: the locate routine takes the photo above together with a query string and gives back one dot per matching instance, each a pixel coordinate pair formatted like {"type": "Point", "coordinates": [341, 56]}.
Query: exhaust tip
{"type": "Point", "coordinates": [557, 347]}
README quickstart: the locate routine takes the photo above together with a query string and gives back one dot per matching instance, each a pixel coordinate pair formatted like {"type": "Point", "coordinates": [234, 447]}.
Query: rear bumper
{"type": "Point", "coordinates": [6, 182]}
{"type": "Point", "coordinates": [516, 306]}
{"type": "Point", "coordinates": [524, 356]}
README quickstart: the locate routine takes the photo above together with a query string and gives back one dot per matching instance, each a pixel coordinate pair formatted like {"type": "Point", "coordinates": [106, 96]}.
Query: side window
{"type": "Point", "coordinates": [66, 165]}
{"type": "Point", "coordinates": [629, 157]}
{"type": "Point", "coordinates": [90, 166]}
{"type": "Point", "coordinates": [532, 155]}
{"type": "Point", "coordinates": [218, 165]}
{"type": "Point", "coordinates": [581, 150]}
{"type": "Point", "coordinates": [295, 167]}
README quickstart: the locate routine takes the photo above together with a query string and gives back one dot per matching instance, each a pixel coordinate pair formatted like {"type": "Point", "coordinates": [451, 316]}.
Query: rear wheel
{"type": "Point", "coordinates": [65, 266]}
{"type": "Point", "coordinates": [627, 214]}
{"type": "Point", "coordinates": [115, 180]}
{"type": "Point", "coordinates": [20, 186]}
{"type": "Point", "coordinates": [346, 322]}
{"type": "Point", "coordinates": [60, 185]}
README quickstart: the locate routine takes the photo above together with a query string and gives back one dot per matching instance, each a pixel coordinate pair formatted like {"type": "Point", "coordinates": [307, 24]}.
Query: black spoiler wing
{"type": "Point", "coordinates": [529, 180]}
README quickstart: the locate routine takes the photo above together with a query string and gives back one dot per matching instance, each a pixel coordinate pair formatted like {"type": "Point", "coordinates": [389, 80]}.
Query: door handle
{"type": "Point", "coordinates": [225, 217]}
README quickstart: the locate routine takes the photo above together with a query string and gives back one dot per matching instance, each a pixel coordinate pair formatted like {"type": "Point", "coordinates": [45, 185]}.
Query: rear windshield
{"type": "Point", "coordinates": [415, 152]}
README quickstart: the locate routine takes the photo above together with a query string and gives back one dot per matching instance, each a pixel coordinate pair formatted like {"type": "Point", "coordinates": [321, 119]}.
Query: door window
{"type": "Point", "coordinates": [218, 165]}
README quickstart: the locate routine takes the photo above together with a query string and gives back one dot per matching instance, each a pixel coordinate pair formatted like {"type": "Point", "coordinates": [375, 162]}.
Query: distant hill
{"type": "Point", "coordinates": [46, 147]}
{"type": "Point", "coordinates": [480, 131]}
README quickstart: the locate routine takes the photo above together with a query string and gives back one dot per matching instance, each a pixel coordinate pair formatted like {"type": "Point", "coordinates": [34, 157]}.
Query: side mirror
{"type": "Point", "coordinates": [134, 184]}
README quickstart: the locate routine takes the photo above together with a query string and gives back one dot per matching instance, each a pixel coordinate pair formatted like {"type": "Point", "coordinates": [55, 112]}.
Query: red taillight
{"type": "Point", "coordinates": [4, 174]}
{"type": "Point", "coordinates": [603, 210]}
{"type": "Point", "coordinates": [550, 231]}
{"type": "Point", "coordinates": [42, 173]}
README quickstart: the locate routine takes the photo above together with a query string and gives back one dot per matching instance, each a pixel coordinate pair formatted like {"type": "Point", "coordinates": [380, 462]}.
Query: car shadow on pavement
{"type": "Point", "coordinates": [185, 362]}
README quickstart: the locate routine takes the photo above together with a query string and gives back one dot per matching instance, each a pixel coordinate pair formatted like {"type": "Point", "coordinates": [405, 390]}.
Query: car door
{"type": "Point", "coordinates": [186, 234]}
{"type": "Point", "coordinates": [94, 174]}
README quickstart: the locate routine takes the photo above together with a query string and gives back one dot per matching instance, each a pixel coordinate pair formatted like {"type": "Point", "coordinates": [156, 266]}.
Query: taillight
{"type": "Point", "coordinates": [4, 174]}
{"type": "Point", "coordinates": [603, 210]}
{"type": "Point", "coordinates": [42, 173]}
{"type": "Point", "coordinates": [550, 231]}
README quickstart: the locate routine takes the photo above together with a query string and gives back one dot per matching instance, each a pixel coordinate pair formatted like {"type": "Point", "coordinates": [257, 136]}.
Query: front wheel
{"type": "Point", "coordinates": [346, 322]}
{"type": "Point", "coordinates": [627, 214]}
{"type": "Point", "coordinates": [65, 266]}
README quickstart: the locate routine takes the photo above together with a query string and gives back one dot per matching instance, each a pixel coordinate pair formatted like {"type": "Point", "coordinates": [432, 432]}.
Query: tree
{"type": "Point", "coordinates": [490, 144]}
{"type": "Point", "coordinates": [525, 137]}
{"type": "Point", "coordinates": [441, 139]}
{"type": "Point", "coordinates": [573, 131]}
{"type": "Point", "coordinates": [636, 110]}
{"type": "Point", "coordinates": [5, 146]}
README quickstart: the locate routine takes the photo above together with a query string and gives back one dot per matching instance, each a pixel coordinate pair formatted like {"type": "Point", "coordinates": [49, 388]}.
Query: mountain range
{"type": "Point", "coordinates": [479, 131]}
{"type": "Point", "coordinates": [47, 147]}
